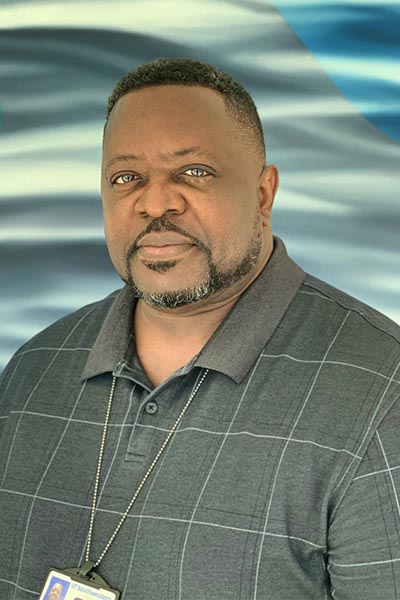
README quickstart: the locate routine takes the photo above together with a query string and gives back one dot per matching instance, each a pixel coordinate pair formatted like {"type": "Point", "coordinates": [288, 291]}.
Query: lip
{"type": "Point", "coordinates": [166, 251]}
{"type": "Point", "coordinates": [164, 239]}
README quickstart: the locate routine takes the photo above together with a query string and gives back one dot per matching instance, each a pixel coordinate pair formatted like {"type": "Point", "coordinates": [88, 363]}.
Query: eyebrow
{"type": "Point", "coordinates": [125, 157]}
{"type": "Point", "coordinates": [193, 150]}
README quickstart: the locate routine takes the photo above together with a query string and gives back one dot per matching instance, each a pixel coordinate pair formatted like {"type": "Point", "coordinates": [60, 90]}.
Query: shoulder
{"type": "Point", "coordinates": [357, 352]}
{"type": "Point", "coordinates": [323, 300]}
{"type": "Point", "coordinates": [346, 356]}
{"type": "Point", "coordinates": [54, 356]}
{"type": "Point", "coordinates": [76, 330]}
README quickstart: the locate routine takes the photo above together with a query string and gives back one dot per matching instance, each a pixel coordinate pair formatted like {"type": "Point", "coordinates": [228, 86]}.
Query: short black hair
{"type": "Point", "coordinates": [186, 71]}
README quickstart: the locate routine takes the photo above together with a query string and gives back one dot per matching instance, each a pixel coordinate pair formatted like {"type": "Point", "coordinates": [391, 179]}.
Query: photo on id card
{"type": "Point", "coordinates": [61, 586]}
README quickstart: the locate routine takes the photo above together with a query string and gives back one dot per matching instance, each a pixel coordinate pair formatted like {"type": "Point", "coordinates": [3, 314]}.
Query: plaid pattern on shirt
{"type": "Point", "coordinates": [281, 483]}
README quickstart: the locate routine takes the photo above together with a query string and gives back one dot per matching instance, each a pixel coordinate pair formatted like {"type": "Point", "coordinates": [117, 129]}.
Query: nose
{"type": "Point", "coordinates": [156, 199]}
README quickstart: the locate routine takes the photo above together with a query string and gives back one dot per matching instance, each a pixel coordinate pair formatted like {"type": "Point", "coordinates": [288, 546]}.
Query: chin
{"type": "Point", "coordinates": [167, 276]}
{"type": "Point", "coordinates": [171, 295]}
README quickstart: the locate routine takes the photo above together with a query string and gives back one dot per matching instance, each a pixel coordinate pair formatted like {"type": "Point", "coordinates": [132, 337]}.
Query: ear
{"type": "Point", "coordinates": [267, 187]}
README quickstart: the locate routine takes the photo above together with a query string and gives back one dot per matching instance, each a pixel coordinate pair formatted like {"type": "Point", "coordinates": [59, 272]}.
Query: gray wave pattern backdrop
{"type": "Point", "coordinates": [337, 208]}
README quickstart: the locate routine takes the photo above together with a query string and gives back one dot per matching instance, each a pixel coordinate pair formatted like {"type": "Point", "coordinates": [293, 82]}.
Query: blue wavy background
{"type": "Point", "coordinates": [324, 76]}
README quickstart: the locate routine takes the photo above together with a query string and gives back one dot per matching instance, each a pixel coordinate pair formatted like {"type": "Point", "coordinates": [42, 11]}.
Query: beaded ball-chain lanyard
{"type": "Point", "coordinates": [89, 565]}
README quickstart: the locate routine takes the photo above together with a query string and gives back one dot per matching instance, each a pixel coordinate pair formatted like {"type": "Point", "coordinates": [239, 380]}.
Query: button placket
{"type": "Point", "coordinates": [141, 438]}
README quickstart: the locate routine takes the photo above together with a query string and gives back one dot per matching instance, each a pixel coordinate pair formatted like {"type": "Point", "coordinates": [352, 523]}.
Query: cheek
{"type": "Point", "coordinates": [117, 242]}
{"type": "Point", "coordinates": [116, 224]}
{"type": "Point", "coordinates": [234, 228]}
{"type": "Point", "coordinates": [112, 232]}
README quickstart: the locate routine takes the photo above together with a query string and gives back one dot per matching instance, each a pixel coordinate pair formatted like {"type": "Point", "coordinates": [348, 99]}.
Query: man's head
{"type": "Point", "coordinates": [184, 71]}
{"type": "Point", "coordinates": [56, 592]}
{"type": "Point", "coordinates": [186, 194]}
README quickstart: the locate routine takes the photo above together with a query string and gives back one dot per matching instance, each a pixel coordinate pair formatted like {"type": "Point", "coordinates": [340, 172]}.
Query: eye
{"type": "Point", "coordinates": [196, 172]}
{"type": "Point", "coordinates": [124, 178]}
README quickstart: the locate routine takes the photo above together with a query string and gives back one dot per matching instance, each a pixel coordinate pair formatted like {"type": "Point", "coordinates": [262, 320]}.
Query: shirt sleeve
{"type": "Point", "coordinates": [8, 380]}
{"type": "Point", "coordinates": [364, 533]}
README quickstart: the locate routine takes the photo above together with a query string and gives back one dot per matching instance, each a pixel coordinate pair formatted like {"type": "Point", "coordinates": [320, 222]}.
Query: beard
{"type": "Point", "coordinates": [216, 278]}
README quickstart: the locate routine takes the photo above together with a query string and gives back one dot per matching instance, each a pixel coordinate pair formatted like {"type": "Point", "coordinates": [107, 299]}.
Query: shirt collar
{"type": "Point", "coordinates": [236, 344]}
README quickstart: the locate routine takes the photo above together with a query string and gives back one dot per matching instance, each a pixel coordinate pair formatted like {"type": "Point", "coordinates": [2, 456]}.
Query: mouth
{"type": "Point", "coordinates": [164, 251]}
{"type": "Point", "coordinates": [163, 245]}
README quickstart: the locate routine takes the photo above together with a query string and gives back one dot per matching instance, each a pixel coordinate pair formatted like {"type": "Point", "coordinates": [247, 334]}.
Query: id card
{"type": "Point", "coordinates": [60, 585]}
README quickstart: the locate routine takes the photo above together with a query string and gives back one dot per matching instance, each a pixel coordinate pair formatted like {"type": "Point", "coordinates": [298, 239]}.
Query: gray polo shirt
{"type": "Point", "coordinates": [281, 483]}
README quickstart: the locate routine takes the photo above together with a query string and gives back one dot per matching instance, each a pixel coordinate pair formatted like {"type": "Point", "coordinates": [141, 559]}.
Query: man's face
{"type": "Point", "coordinates": [55, 592]}
{"type": "Point", "coordinates": [184, 196]}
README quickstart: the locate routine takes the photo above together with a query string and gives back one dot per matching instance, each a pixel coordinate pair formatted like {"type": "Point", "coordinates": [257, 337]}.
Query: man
{"type": "Point", "coordinates": [226, 425]}
{"type": "Point", "coordinates": [55, 592]}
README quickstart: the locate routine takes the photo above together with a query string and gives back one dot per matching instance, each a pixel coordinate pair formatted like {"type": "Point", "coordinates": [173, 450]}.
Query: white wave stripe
{"type": "Point", "coordinates": [59, 138]}
{"type": "Point", "coordinates": [53, 100]}
{"type": "Point", "coordinates": [50, 234]}
{"type": "Point", "coordinates": [320, 107]}
{"type": "Point", "coordinates": [344, 3]}
{"type": "Point", "coordinates": [384, 68]}
{"type": "Point", "coordinates": [126, 15]}
{"type": "Point", "coordinates": [55, 178]}
{"type": "Point", "coordinates": [336, 186]}
{"type": "Point", "coordinates": [290, 201]}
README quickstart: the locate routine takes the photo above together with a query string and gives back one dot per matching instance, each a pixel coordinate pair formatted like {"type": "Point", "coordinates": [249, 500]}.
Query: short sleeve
{"type": "Point", "coordinates": [364, 533]}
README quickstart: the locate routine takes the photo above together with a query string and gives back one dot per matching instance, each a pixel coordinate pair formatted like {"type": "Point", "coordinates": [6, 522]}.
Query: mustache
{"type": "Point", "coordinates": [163, 224]}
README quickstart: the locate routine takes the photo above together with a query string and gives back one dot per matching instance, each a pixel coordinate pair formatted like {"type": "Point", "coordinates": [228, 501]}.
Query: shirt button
{"type": "Point", "coordinates": [151, 407]}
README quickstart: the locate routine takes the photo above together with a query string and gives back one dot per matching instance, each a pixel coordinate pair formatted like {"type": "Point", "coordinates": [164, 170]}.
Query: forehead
{"type": "Point", "coordinates": [162, 119]}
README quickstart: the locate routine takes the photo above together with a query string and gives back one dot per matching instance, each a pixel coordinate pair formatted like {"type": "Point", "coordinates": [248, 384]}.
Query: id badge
{"type": "Point", "coordinates": [69, 585]}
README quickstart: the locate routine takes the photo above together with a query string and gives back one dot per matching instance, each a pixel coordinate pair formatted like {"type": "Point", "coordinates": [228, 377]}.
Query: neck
{"type": "Point", "coordinates": [166, 339]}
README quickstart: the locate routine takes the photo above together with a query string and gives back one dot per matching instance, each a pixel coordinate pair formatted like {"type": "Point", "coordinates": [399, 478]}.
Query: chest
{"type": "Point", "coordinates": [223, 509]}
